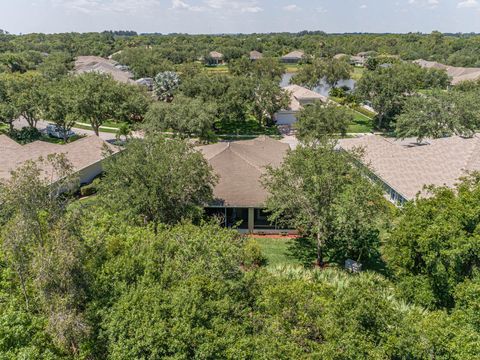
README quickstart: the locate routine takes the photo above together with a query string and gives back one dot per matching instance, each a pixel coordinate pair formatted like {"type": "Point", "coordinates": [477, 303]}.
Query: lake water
{"type": "Point", "coordinates": [324, 88]}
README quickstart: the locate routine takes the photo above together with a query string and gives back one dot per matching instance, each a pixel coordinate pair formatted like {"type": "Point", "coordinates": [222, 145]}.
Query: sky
{"type": "Point", "coordinates": [240, 16]}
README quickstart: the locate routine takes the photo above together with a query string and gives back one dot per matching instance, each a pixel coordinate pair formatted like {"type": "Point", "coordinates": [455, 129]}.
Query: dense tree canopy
{"type": "Point", "coordinates": [332, 199]}
{"type": "Point", "coordinates": [320, 120]}
{"type": "Point", "coordinates": [439, 114]}
{"type": "Point", "coordinates": [435, 244]}
{"type": "Point", "coordinates": [158, 180]}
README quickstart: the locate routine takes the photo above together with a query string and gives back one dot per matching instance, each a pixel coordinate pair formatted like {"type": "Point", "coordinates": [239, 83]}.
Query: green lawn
{"type": "Point", "coordinates": [249, 127]}
{"type": "Point", "coordinates": [361, 124]}
{"type": "Point", "coordinates": [357, 73]}
{"type": "Point", "coordinates": [84, 127]}
{"type": "Point", "coordinates": [220, 69]}
{"type": "Point", "coordinates": [277, 251]}
{"type": "Point", "coordinates": [292, 68]}
{"type": "Point", "coordinates": [3, 128]}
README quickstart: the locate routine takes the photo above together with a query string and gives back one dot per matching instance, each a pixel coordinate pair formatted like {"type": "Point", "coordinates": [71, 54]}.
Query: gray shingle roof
{"type": "Point", "coordinates": [98, 64]}
{"type": "Point", "coordinates": [81, 153]}
{"type": "Point", "coordinates": [240, 165]}
{"type": "Point", "coordinates": [407, 166]}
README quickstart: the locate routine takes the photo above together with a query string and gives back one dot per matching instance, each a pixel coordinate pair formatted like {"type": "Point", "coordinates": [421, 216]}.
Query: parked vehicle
{"type": "Point", "coordinates": [57, 132]}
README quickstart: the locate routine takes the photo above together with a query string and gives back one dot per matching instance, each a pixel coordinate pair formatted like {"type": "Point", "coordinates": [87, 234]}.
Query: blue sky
{"type": "Point", "coordinates": [232, 16]}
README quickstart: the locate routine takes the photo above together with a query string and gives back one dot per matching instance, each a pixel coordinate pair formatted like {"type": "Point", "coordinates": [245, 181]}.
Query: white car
{"type": "Point", "coordinates": [57, 132]}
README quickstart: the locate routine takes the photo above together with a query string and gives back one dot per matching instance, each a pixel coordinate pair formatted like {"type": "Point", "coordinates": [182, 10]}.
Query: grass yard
{"type": "Point", "coordinates": [3, 128]}
{"type": "Point", "coordinates": [249, 127]}
{"type": "Point", "coordinates": [277, 251]}
{"type": "Point", "coordinates": [292, 68]}
{"type": "Point", "coordinates": [357, 73]}
{"type": "Point", "coordinates": [220, 69]}
{"type": "Point", "coordinates": [361, 124]}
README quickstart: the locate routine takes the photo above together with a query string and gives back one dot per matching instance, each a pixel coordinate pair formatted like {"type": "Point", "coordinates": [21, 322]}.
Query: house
{"type": "Point", "coordinates": [84, 64]}
{"type": "Point", "coordinates": [255, 55]}
{"type": "Point", "coordinates": [358, 60]}
{"type": "Point", "coordinates": [299, 97]}
{"type": "Point", "coordinates": [405, 167]}
{"type": "Point", "coordinates": [457, 74]}
{"type": "Point", "coordinates": [85, 155]}
{"type": "Point", "coordinates": [294, 57]}
{"type": "Point", "coordinates": [239, 195]}
{"type": "Point", "coordinates": [215, 58]}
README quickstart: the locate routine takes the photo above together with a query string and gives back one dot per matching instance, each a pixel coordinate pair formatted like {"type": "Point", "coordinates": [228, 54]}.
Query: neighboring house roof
{"type": "Point", "coordinates": [81, 153]}
{"type": "Point", "coordinates": [240, 166]}
{"type": "Point", "coordinates": [458, 74]}
{"type": "Point", "coordinates": [300, 95]}
{"type": "Point", "coordinates": [407, 166]}
{"type": "Point", "coordinates": [98, 64]}
{"type": "Point", "coordinates": [255, 55]}
{"type": "Point", "coordinates": [297, 54]}
{"type": "Point", "coordinates": [216, 55]}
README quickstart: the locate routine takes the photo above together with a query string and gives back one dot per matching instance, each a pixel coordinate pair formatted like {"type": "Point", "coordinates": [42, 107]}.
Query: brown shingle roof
{"type": "Point", "coordinates": [407, 166]}
{"type": "Point", "coordinates": [240, 165]}
{"type": "Point", "coordinates": [81, 153]}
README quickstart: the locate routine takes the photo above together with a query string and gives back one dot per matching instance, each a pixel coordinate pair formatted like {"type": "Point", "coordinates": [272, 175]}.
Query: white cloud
{"type": "Point", "coordinates": [242, 6]}
{"type": "Point", "coordinates": [94, 6]}
{"type": "Point", "coordinates": [431, 4]}
{"type": "Point", "coordinates": [291, 7]}
{"type": "Point", "coordinates": [321, 9]}
{"type": "Point", "coordinates": [468, 4]}
{"type": "Point", "coordinates": [182, 5]}
{"type": "Point", "coordinates": [363, 6]}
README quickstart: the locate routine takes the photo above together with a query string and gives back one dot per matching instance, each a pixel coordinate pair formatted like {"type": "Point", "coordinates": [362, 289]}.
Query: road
{"type": "Point", "coordinates": [42, 125]}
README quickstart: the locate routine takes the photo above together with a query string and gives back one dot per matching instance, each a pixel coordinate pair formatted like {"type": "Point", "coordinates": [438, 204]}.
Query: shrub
{"type": "Point", "coordinates": [25, 135]}
{"type": "Point", "coordinates": [252, 254]}
{"type": "Point", "coordinates": [90, 189]}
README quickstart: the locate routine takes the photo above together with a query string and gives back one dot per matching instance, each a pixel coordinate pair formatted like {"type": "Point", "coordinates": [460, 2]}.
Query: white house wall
{"type": "Point", "coordinates": [86, 175]}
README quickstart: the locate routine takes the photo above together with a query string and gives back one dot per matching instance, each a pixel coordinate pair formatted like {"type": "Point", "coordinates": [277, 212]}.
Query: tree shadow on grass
{"type": "Point", "coordinates": [304, 250]}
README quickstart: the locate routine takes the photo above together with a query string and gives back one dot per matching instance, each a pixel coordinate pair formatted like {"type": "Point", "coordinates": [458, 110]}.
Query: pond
{"type": "Point", "coordinates": [324, 88]}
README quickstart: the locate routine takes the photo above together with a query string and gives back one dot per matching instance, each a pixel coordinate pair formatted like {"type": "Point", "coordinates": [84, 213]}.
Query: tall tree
{"type": "Point", "coordinates": [434, 246]}
{"type": "Point", "coordinates": [9, 110]}
{"type": "Point", "coordinates": [158, 180]}
{"type": "Point", "coordinates": [314, 188]}
{"type": "Point", "coordinates": [59, 105]}
{"type": "Point", "coordinates": [29, 96]}
{"type": "Point", "coordinates": [269, 98]}
{"type": "Point", "coordinates": [332, 71]}
{"type": "Point", "coordinates": [186, 117]}
{"type": "Point", "coordinates": [320, 120]}
{"type": "Point", "coordinates": [439, 114]}
{"type": "Point", "coordinates": [387, 90]}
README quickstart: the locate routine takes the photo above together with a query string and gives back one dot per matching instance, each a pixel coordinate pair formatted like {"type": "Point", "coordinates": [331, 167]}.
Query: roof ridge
{"type": "Point", "coordinates": [222, 150]}
{"type": "Point", "coordinates": [245, 159]}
